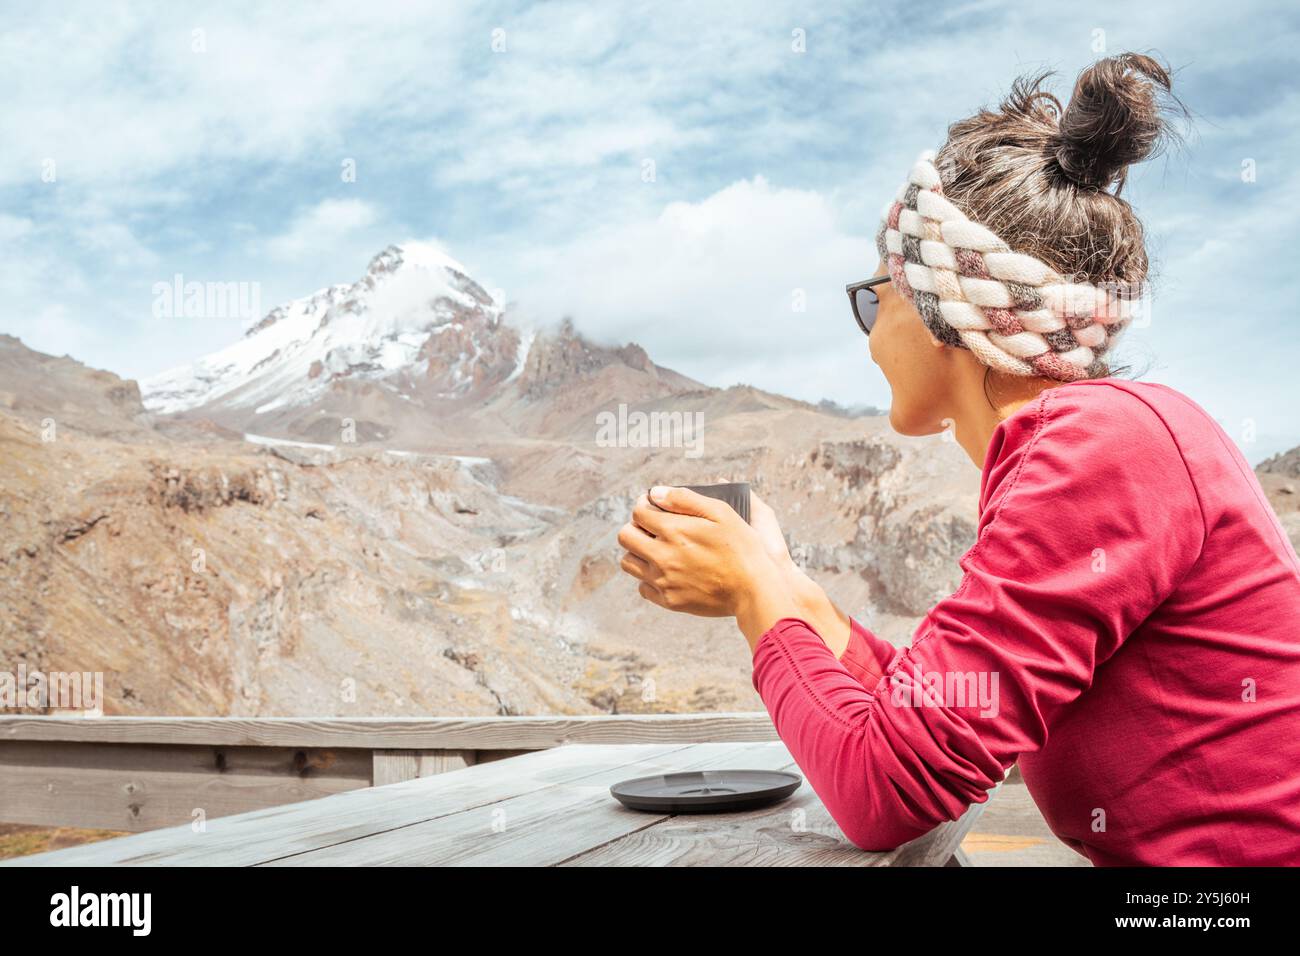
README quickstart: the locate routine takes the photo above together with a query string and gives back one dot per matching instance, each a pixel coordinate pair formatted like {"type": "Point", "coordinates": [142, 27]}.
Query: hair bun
{"type": "Point", "coordinates": [1115, 118]}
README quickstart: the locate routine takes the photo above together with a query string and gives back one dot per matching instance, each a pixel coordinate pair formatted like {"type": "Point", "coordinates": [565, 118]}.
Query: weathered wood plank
{"type": "Point", "coordinates": [544, 826]}
{"type": "Point", "coordinates": [394, 766]}
{"type": "Point", "coordinates": [265, 835]}
{"type": "Point", "coordinates": [396, 733]}
{"type": "Point", "coordinates": [123, 787]}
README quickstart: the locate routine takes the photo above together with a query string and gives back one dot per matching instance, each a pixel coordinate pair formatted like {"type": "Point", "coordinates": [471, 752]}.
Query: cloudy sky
{"type": "Point", "coordinates": [678, 175]}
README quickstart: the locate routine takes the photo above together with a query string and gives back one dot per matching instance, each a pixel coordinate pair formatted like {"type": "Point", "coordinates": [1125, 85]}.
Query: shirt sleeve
{"type": "Point", "coordinates": [867, 657]}
{"type": "Point", "coordinates": [1089, 520]}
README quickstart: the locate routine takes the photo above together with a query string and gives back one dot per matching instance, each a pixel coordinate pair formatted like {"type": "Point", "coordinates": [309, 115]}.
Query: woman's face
{"type": "Point", "coordinates": [916, 365]}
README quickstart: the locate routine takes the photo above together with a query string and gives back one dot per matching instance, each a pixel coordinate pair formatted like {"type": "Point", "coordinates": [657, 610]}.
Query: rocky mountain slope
{"type": "Point", "coordinates": [51, 391]}
{"type": "Point", "coordinates": [1280, 478]}
{"type": "Point", "coordinates": [209, 575]}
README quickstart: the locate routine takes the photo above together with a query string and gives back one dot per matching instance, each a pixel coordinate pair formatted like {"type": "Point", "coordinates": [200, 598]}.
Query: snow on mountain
{"type": "Point", "coordinates": [415, 320]}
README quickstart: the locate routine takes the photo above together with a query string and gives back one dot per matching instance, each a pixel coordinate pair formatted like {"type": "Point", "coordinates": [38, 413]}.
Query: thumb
{"type": "Point", "coordinates": [683, 501]}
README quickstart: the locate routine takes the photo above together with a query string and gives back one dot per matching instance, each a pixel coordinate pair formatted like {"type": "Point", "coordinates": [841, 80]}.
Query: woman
{"type": "Point", "coordinates": [1127, 628]}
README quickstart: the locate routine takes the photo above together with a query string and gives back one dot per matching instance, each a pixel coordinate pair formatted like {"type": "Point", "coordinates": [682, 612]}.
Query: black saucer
{"type": "Point", "coordinates": [706, 791]}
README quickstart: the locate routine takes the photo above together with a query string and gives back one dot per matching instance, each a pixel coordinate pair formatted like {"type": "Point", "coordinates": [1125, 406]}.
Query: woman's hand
{"type": "Point", "coordinates": [693, 553]}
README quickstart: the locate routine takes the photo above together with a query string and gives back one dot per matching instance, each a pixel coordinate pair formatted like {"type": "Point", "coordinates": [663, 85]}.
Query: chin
{"type": "Point", "coordinates": [903, 423]}
{"type": "Point", "coordinates": [912, 425]}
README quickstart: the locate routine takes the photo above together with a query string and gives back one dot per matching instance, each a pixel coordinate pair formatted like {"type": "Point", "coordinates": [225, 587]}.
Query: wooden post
{"type": "Point", "coordinates": [394, 766]}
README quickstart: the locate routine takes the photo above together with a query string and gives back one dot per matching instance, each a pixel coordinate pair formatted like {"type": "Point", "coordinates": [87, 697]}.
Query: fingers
{"type": "Point", "coordinates": [683, 501]}
{"type": "Point", "coordinates": [637, 541]}
{"type": "Point", "coordinates": [646, 573]}
{"type": "Point", "coordinates": [653, 520]}
{"type": "Point", "coordinates": [651, 594]}
{"type": "Point", "coordinates": [639, 568]}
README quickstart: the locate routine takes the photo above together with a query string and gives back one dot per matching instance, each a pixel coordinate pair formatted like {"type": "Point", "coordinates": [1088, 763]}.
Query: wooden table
{"type": "Point", "coordinates": [549, 808]}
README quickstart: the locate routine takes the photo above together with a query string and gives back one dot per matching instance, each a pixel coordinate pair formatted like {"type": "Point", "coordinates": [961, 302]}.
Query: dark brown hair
{"type": "Point", "coordinates": [1047, 179]}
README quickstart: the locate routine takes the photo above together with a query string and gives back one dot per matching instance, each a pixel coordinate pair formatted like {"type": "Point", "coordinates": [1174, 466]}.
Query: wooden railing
{"type": "Point", "coordinates": [141, 773]}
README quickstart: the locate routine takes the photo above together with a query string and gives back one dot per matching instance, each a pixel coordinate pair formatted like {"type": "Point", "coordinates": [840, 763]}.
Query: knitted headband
{"type": "Point", "coordinates": [1012, 311]}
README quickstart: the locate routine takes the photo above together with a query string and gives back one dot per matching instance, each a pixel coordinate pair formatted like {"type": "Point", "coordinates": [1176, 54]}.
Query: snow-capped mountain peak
{"type": "Point", "coordinates": [416, 319]}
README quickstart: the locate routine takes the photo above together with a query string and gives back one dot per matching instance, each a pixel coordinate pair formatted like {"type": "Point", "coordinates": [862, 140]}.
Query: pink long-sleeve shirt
{"type": "Point", "coordinates": [1127, 629]}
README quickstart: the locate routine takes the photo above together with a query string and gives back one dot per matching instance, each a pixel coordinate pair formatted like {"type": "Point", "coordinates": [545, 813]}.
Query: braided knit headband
{"type": "Point", "coordinates": [1012, 311]}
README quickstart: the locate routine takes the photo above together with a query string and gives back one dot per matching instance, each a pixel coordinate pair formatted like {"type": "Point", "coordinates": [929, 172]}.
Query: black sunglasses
{"type": "Point", "coordinates": [863, 298]}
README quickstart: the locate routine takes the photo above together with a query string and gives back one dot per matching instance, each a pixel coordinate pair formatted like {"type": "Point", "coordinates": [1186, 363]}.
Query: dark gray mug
{"type": "Point", "coordinates": [735, 494]}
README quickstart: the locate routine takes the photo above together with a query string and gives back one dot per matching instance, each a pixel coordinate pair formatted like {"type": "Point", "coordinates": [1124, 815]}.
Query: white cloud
{"type": "Point", "coordinates": [745, 285]}
{"type": "Point", "coordinates": [13, 228]}
{"type": "Point", "coordinates": [321, 227]}
{"type": "Point", "coordinates": [114, 242]}
{"type": "Point", "coordinates": [237, 81]}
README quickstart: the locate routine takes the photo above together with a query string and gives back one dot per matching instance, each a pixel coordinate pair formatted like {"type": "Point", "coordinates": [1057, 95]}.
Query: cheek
{"type": "Point", "coordinates": [909, 361]}
{"type": "Point", "coordinates": [888, 346]}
